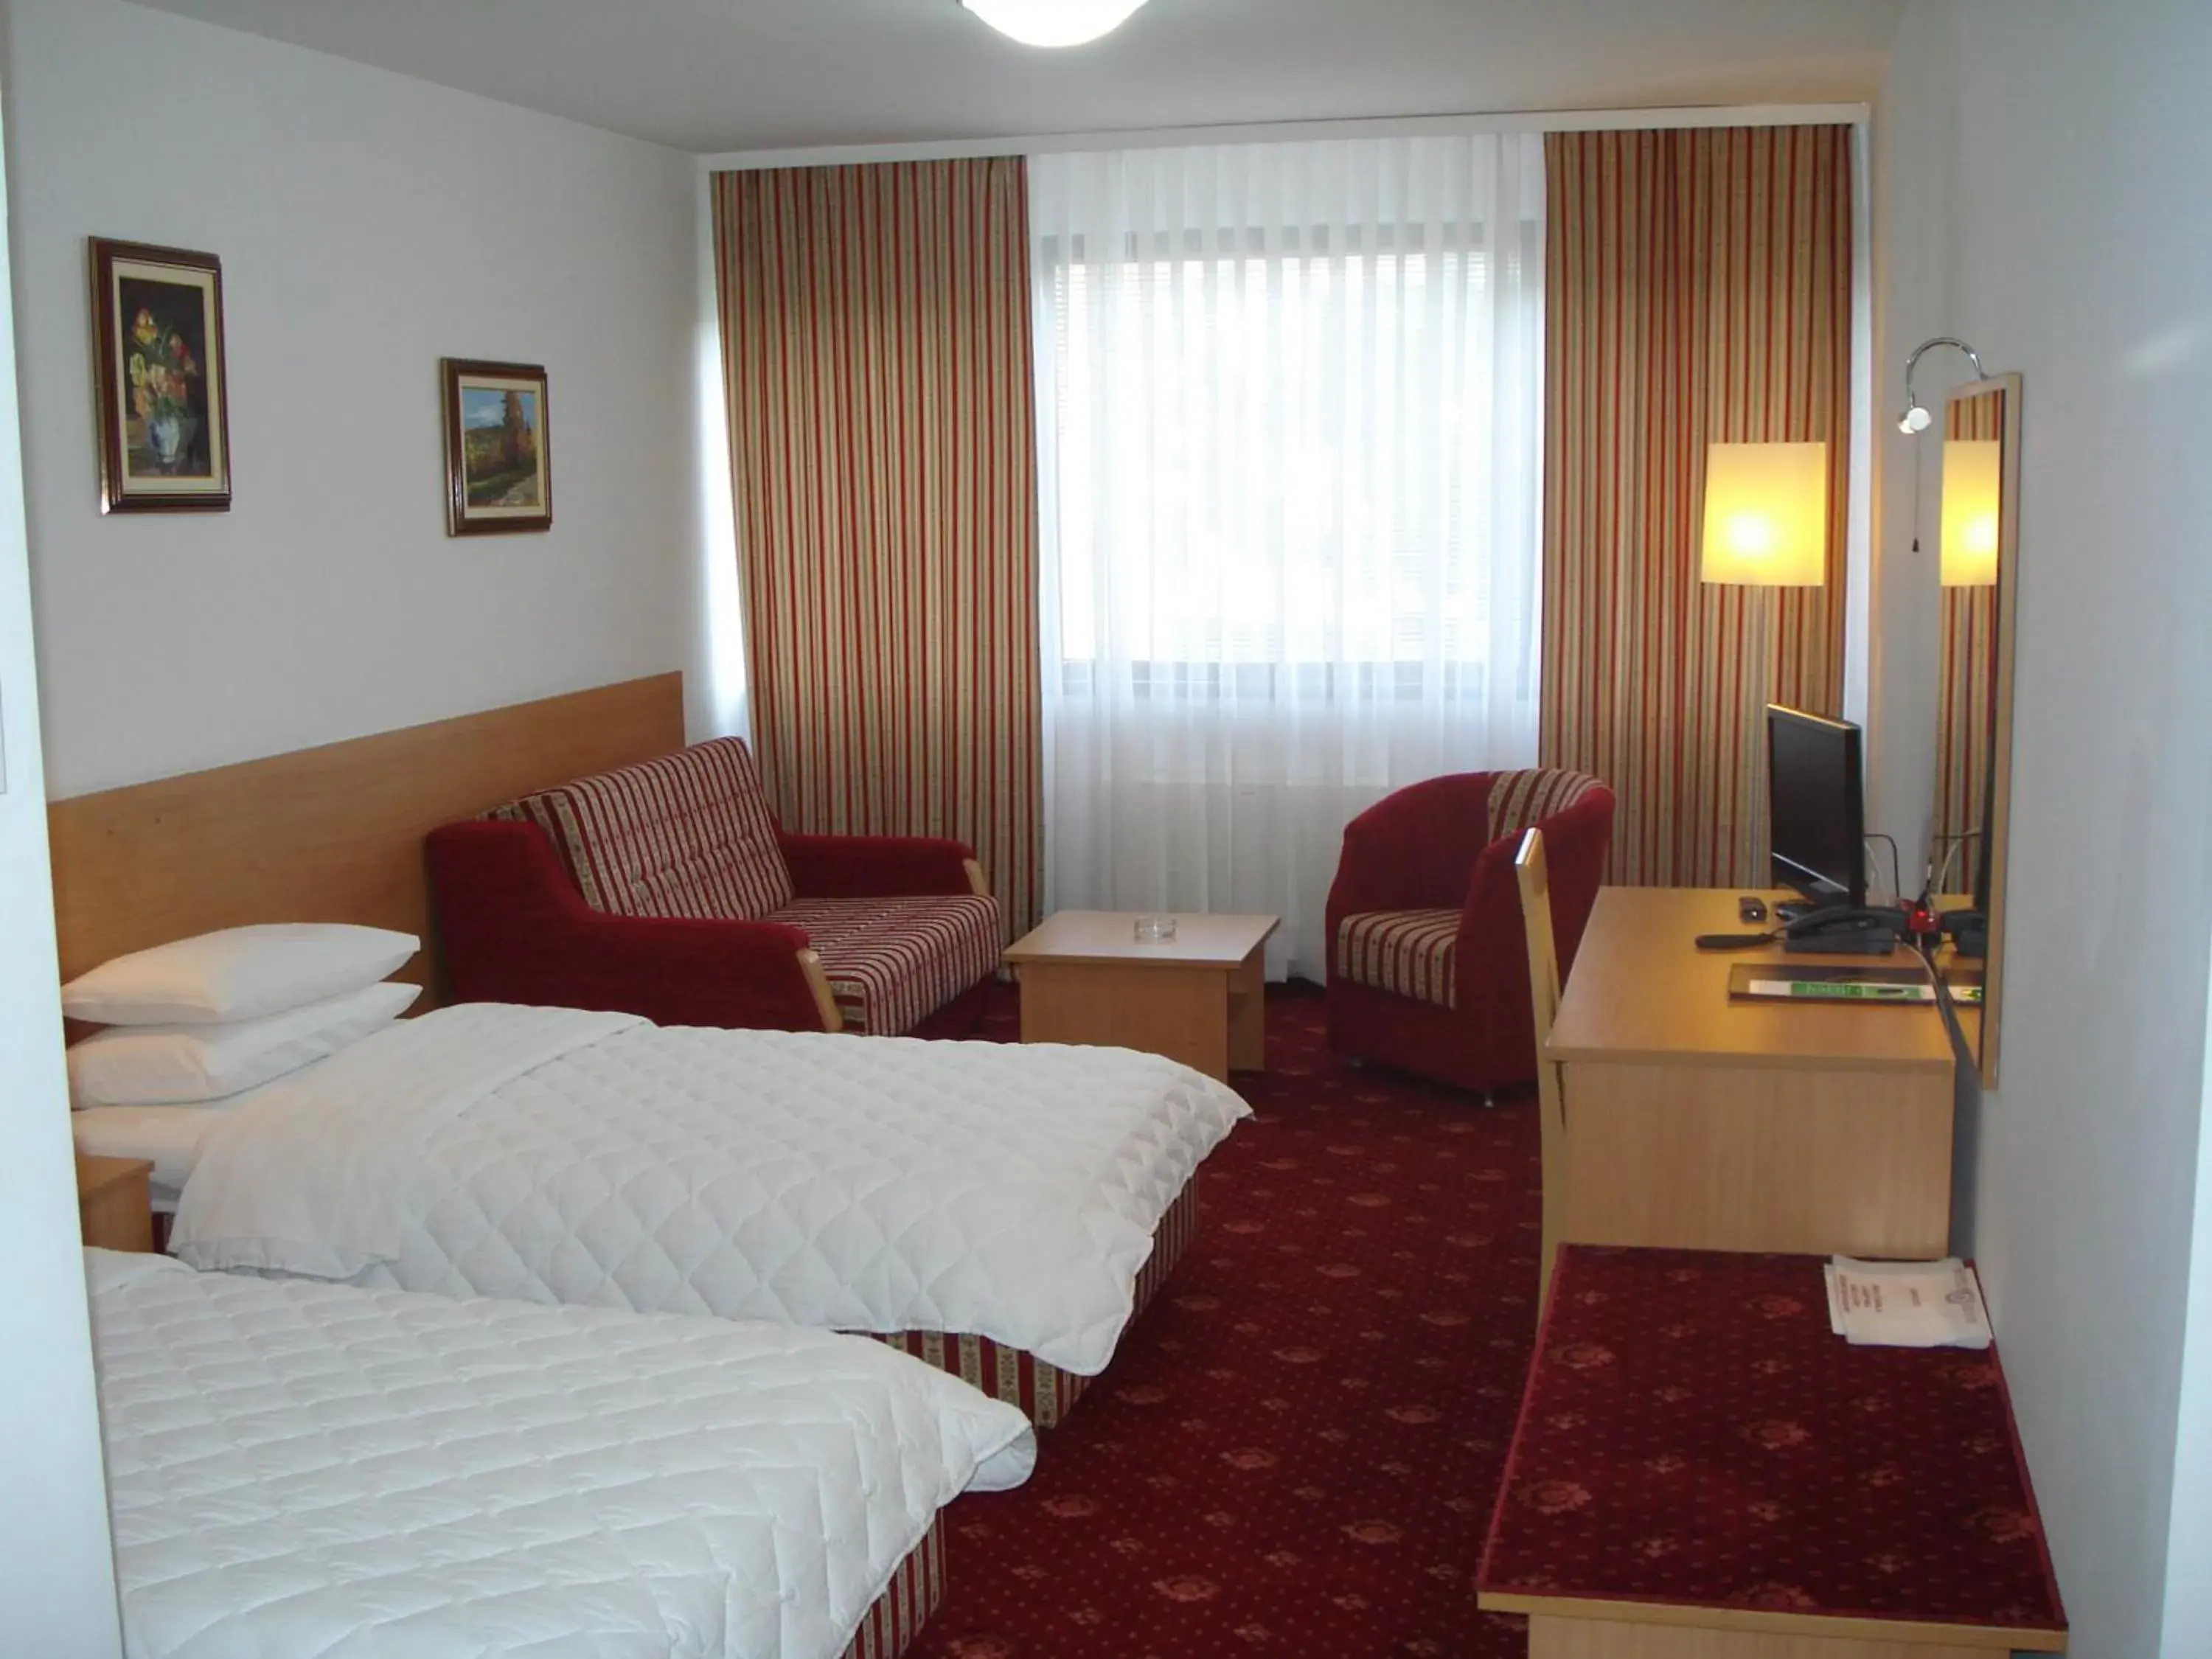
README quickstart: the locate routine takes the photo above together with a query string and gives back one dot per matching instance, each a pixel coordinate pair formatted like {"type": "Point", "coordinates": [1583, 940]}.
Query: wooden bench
{"type": "Point", "coordinates": [1702, 1470]}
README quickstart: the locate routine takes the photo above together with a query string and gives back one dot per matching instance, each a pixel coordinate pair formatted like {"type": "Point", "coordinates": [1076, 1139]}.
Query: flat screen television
{"type": "Point", "coordinates": [1816, 806]}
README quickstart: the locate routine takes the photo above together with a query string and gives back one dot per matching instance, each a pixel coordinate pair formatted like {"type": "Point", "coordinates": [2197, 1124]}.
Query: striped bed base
{"type": "Point", "coordinates": [895, 1617]}
{"type": "Point", "coordinates": [1045, 1393]}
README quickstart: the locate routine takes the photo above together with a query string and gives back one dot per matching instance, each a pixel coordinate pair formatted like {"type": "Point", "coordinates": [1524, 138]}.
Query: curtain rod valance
{"type": "Point", "coordinates": [1061, 143]}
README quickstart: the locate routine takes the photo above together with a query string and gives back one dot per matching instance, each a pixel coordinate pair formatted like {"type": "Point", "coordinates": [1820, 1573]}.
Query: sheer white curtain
{"type": "Point", "coordinates": [1289, 416]}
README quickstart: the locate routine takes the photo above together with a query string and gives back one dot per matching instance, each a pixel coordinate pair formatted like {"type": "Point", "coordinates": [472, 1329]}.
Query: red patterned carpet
{"type": "Point", "coordinates": [1296, 1451]}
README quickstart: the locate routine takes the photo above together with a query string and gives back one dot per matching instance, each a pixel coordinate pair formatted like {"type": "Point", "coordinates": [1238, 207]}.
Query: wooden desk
{"type": "Point", "coordinates": [1702, 1470]}
{"type": "Point", "coordinates": [1701, 1124]}
{"type": "Point", "coordinates": [1197, 998]}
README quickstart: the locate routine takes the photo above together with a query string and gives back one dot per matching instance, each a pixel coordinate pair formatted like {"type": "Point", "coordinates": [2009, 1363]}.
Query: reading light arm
{"type": "Point", "coordinates": [1915, 420]}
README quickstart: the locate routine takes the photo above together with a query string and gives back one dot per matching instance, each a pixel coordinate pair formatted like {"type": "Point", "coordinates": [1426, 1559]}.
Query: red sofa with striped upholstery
{"type": "Point", "coordinates": [668, 889]}
{"type": "Point", "coordinates": [1428, 967]}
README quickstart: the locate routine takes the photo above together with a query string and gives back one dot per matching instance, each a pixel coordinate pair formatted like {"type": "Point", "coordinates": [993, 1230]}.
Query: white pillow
{"type": "Point", "coordinates": [183, 1065]}
{"type": "Point", "coordinates": [240, 973]}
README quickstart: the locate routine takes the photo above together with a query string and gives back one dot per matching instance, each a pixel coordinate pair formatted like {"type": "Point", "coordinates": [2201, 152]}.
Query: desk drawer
{"type": "Point", "coordinates": [1752, 1157]}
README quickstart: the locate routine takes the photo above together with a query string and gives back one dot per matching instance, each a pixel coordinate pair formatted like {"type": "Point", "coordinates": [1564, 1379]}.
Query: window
{"type": "Point", "coordinates": [1303, 541]}
{"type": "Point", "coordinates": [1289, 461]}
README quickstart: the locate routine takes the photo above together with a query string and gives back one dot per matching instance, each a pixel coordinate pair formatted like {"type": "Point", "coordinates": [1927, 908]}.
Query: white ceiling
{"type": "Point", "coordinates": [730, 75]}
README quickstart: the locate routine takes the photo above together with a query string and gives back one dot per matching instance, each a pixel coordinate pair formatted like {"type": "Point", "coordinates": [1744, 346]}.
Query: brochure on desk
{"type": "Point", "coordinates": [1906, 1305]}
{"type": "Point", "coordinates": [1784, 981]}
{"type": "Point", "coordinates": [1812, 981]}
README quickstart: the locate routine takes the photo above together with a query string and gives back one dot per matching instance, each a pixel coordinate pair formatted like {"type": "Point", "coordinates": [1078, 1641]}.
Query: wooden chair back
{"type": "Point", "coordinates": [1533, 878]}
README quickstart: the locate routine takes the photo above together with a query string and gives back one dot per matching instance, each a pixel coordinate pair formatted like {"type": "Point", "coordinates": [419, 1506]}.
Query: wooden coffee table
{"type": "Point", "coordinates": [1197, 998]}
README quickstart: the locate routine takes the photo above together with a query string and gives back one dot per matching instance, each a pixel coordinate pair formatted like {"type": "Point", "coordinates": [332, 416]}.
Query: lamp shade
{"type": "Point", "coordinates": [1767, 515]}
{"type": "Point", "coordinates": [1971, 467]}
{"type": "Point", "coordinates": [1053, 22]}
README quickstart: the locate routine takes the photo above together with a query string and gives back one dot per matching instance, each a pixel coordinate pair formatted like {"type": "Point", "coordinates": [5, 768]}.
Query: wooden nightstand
{"type": "Point", "coordinates": [113, 1203]}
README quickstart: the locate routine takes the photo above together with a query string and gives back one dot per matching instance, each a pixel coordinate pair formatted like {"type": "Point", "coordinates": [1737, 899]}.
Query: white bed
{"type": "Point", "coordinates": [304, 1469]}
{"type": "Point", "coordinates": [885, 1186]}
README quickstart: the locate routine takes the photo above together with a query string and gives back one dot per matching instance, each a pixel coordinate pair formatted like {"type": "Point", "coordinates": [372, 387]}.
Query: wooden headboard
{"type": "Point", "coordinates": [333, 834]}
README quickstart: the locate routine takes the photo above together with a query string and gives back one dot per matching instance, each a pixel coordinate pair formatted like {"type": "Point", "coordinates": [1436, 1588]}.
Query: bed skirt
{"type": "Point", "coordinates": [1045, 1393]}
{"type": "Point", "coordinates": [896, 1617]}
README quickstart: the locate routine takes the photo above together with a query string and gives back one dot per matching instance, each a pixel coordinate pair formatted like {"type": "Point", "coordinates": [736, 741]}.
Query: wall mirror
{"type": "Point", "coordinates": [1977, 538]}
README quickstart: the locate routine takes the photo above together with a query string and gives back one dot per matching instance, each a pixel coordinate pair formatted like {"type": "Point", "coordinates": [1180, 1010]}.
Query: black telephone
{"type": "Point", "coordinates": [1837, 930]}
{"type": "Point", "coordinates": [1844, 930]}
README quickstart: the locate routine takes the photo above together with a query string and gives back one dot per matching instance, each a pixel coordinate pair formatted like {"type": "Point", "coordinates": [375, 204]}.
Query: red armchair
{"type": "Point", "coordinates": [1428, 966]}
{"type": "Point", "coordinates": [668, 890]}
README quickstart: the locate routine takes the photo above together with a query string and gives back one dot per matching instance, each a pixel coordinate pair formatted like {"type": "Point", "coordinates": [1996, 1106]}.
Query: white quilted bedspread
{"type": "Point", "coordinates": [867, 1184]}
{"type": "Point", "coordinates": [300, 1470]}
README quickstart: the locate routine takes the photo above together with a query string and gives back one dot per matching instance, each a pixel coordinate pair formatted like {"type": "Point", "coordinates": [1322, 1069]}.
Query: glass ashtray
{"type": "Point", "coordinates": [1155, 930]}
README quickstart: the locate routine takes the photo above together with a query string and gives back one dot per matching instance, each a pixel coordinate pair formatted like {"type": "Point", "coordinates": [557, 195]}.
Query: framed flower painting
{"type": "Point", "coordinates": [499, 467]}
{"type": "Point", "coordinates": [164, 400]}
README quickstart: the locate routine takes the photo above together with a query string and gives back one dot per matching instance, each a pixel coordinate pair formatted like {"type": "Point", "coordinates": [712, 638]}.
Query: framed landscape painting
{"type": "Point", "coordinates": [499, 471]}
{"type": "Point", "coordinates": [164, 400]}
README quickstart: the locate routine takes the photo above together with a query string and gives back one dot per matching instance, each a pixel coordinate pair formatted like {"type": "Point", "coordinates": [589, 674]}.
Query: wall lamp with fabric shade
{"type": "Point", "coordinates": [1971, 468]}
{"type": "Point", "coordinates": [1053, 22]}
{"type": "Point", "coordinates": [1767, 515]}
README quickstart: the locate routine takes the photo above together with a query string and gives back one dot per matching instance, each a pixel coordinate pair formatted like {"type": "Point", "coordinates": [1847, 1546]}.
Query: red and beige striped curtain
{"type": "Point", "coordinates": [876, 332]}
{"type": "Point", "coordinates": [1965, 691]}
{"type": "Point", "coordinates": [1698, 290]}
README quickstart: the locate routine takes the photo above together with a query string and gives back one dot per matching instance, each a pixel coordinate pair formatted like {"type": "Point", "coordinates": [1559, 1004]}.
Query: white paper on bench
{"type": "Point", "coordinates": [874, 1184]}
{"type": "Point", "coordinates": [304, 1469]}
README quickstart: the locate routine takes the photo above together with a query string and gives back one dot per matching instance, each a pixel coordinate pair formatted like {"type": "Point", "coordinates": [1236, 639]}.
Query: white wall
{"type": "Point", "coordinates": [2040, 192]}
{"type": "Point", "coordinates": [2188, 1633]}
{"type": "Point", "coordinates": [1915, 154]}
{"type": "Point", "coordinates": [57, 1587]}
{"type": "Point", "coordinates": [367, 225]}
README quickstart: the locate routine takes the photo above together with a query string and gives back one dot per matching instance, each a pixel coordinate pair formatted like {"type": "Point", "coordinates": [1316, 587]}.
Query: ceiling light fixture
{"type": "Point", "coordinates": [1916, 419]}
{"type": "Point", "coordinates": [1053, 22]}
